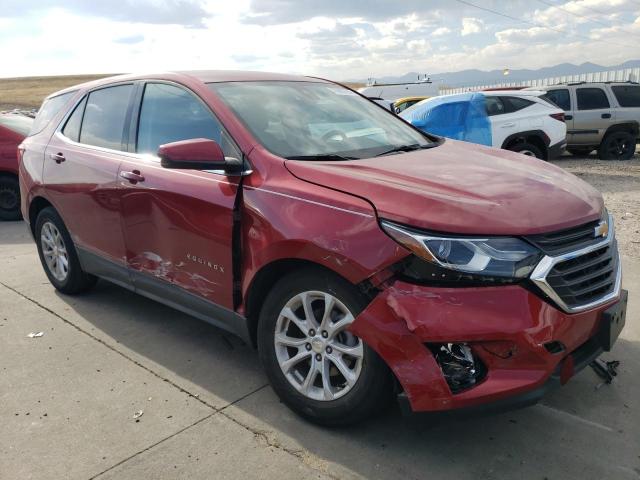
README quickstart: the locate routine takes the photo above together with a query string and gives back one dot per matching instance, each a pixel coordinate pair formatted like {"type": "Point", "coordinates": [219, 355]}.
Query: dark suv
{"type": "Point", "coordinates": [599, 116]}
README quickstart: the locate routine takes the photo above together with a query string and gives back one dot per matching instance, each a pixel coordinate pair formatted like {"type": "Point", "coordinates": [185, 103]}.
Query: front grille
{"type": "Point", "coordinates": [563, 241]}
{"type": "Point", "coordinates": [587, 278]}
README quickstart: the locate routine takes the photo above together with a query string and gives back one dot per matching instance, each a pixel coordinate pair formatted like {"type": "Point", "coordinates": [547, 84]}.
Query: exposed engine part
{"type": "Point", "coordinates": [459, 366]}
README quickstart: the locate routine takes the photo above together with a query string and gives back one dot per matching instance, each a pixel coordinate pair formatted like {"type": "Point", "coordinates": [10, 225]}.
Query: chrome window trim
{"type": "Point", "coordinates": [544, 267]}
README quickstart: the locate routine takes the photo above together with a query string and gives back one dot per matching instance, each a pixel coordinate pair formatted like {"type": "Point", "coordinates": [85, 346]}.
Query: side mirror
{"type": "Point", "coordinates": [197, 154]}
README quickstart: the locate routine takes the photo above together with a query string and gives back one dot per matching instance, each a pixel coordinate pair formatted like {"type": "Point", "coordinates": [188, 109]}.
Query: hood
{"type": "Point", "coordinates": [464, 188]}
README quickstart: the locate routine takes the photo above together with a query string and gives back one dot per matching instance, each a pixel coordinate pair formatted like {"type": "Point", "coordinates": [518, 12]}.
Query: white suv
{"type": "Point", "coordinates": [520, 121]}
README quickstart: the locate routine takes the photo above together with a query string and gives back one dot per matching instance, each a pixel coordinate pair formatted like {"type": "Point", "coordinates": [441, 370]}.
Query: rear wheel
{"type": "Point", "coordinates": [527, 149]}
{"type": "Point", "coordinates": [617, 146]}
{"type": "Point", "coordinates": [58, 254]}
{"type": "Point", "coordinates": [9, 199]}
{"type": "Point", "coordinates": [314, 363]}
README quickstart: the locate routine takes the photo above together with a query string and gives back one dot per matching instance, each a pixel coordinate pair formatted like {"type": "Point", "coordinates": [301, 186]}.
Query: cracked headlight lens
{"type": "Point", "coordinates": [506, 257]}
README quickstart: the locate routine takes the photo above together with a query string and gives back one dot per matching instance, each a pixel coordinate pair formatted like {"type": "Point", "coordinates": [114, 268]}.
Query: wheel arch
{"type": "Point", "coordinates": [36, 205]}
{"type": "Point", "coordinates": [630, 127]}
{"type": "Point", "coordinates": [267, 276]}
{"type": "Point", "coordinates": [535, 137]}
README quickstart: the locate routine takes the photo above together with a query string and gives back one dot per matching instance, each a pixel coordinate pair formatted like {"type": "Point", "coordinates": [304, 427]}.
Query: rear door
{"type": "Point", "coordinates": [80, 172]}
{"type": "Point", "coordinates": [178, 223]}
{"type": "Point", "coordinates": [503, 123]}
{"type": "Point", "coordinates": [592, 116]}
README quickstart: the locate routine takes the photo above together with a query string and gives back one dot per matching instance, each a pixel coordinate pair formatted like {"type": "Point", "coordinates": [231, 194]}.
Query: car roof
{"type": "Point", "coordinates": [408, 99]}
{"type": "Point", "coordinates": [514, 93]}
{"type": "Point", "coordinates": [204, 76]}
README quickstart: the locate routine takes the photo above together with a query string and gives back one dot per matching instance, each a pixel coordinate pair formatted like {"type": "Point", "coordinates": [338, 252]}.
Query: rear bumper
{"type": "Point", "coordinates": [554, 151]}
{"type": "Point", "coordinates": [506, 327]}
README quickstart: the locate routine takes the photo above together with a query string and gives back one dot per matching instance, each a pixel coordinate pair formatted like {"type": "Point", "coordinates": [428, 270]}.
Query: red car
{"type": "Point", "coordinates": [13, 129]}
{"type": "Point", "coordinates": [362, 257]}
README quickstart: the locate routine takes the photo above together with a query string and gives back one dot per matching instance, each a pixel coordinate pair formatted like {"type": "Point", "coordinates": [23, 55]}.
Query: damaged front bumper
{"type": "Point", "coordinates": [522, 345]}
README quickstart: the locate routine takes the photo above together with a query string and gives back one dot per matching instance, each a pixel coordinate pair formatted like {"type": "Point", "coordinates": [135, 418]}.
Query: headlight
{"type": "Point", "coordinates": [505, 257]}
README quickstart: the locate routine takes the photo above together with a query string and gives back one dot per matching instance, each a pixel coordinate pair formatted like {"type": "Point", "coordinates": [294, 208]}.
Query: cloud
{"type": "Point", "coordinates": [189, 13]}
{"type": "Point", "coordinates": [471, 25]}
{"type": "Point", "coordinates": [438, 32]}
{"type": "Point", "coordinates": [130, 40]}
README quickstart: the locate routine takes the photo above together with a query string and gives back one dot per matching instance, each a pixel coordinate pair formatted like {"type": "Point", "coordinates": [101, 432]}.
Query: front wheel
{"type": "Point", "coordinates": [314, 363]}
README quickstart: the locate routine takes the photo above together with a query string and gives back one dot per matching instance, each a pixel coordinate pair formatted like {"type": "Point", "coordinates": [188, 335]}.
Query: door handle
{"type": "Point", "coordinates": [58, 157]}
{"type": "Point", "coordinates": [605, 115]}
{"type": "Point", "coordinates": [568, 117]}
{"type": "Point", "coordinates": [133, 177]}
{"type": "Point", "coordinates": [508, 125]}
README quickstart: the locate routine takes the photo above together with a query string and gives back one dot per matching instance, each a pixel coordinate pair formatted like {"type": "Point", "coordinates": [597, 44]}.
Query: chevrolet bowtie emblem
{"type": "Point", "coordinates": [601, 230]}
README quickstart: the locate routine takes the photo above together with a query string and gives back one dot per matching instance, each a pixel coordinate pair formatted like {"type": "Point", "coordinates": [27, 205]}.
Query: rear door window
{"type": "Point", "coordinates": [170, 114]}
{"type": "Point", "coordinates": [627, 95]}
{"type": "Point", "coordinates": [494, 105]}
{"type": "Point", "coordinates": [104, 117]}
{"type": "Point", "coordinates": [591, 99]}
{"type": "Point", "coordinates": [559, 97]}
{"type": "Point", "coordinates": [48, 110]}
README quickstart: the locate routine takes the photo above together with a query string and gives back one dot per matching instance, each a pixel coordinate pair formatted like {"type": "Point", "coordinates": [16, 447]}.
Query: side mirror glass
{"type": "Point", "coordinates": [197, 154]}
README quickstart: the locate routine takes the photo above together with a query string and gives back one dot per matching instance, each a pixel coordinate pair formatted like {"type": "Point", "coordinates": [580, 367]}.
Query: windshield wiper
{"type": "Point", "coordinates": [403, 148]}
{"type": "Point", "coordinates": [322, 156]}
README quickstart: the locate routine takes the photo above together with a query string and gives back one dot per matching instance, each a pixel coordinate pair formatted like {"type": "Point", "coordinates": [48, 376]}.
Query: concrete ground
{"type": "Point", "coordinates": [68, 399]}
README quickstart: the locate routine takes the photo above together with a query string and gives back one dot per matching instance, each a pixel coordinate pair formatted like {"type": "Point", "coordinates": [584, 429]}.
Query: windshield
{"type": "Point", "coordinates": [311, 119]}
{"type": "Point", "coordinates": [18, 123]}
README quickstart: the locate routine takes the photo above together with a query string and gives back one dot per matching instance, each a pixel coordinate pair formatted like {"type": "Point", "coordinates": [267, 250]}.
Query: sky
{"type": "Point", "coordinates": [337, 39]}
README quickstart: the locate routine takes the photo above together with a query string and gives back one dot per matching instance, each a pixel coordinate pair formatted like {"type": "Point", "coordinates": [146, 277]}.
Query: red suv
{"type": "Point", "coordinates": [13, 129]}
{"type": "Point", "coordinates": [362, 257]}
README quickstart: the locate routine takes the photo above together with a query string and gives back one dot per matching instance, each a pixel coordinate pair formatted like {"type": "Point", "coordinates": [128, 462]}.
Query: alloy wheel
{"type": "Point", "coordinates": [316, 353]}
{"type": "Point", "coordinates": [619, 147]}
{"type": "Point", "coordinates": [54, 251]}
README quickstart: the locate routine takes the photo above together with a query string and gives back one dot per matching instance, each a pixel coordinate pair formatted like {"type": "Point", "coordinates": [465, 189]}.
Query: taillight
{"type": "Point", "coordinates": [20, 153]}
{"type": "Point", "coordinates": [558, 116]}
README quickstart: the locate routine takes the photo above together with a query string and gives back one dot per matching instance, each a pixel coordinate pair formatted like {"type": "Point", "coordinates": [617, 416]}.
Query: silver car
{"type": "Point", "coordinates": [599, 116]}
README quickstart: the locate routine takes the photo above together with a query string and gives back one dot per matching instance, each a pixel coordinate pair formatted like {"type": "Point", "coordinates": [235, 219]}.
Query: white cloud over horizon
{"type": "Point", "coordinates": [331, 38]}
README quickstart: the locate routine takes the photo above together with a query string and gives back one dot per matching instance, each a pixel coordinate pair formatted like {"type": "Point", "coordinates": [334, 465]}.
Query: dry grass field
{"type": "Point", "coordinates": [28, 92]}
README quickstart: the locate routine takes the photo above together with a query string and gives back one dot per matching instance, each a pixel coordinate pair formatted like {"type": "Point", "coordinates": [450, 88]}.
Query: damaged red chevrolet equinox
{"type": "Point", "coordinates": [366, 260]}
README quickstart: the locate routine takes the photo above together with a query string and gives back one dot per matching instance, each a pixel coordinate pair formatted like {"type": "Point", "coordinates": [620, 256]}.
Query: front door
{"type": "Point", "coordinates": [81, 169]}
{"type": "Point", "coordinates": [178, 223]}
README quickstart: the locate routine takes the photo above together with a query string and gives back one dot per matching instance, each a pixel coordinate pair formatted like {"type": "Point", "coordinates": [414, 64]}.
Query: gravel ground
{"type": "Point", "coordinates": [619, 183]}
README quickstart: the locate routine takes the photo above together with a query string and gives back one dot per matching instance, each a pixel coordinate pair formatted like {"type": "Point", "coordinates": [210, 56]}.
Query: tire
{"type": "Point", "coordinates": [336, 402]}
{"type": "Point", "coordinates": [54, 244]}
{"type": "Point", "coordinates": [9, 198]}
{"type": "Point", "coordinates": [527, 149]}
{"type": "Point", "coordinates": [580, 152]}
{"type": "Point", "coordinates": [617, 146]}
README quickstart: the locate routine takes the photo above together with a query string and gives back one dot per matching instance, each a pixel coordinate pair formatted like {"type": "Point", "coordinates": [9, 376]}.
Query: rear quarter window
{"type": "Point", "coordinates": [559, 97]}
{"type": "Point", "coordinates": [513, 104]}
{"type": "Point", "coordinates": [627, 95]}
{"type": "Point", "coordinates": [49, 109]}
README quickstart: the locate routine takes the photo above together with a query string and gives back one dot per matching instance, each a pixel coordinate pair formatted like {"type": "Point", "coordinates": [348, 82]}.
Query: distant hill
{"type": "Point", "coordinates": [465, 78]}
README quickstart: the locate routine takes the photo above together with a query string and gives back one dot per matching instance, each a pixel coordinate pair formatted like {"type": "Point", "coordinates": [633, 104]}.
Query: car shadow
{"type": "Point", "coordinates": [565, 437]}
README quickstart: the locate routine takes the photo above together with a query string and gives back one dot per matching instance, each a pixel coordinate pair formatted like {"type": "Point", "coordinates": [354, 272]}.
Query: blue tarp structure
{"type": "Point", "coordinates": [461, 117]}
